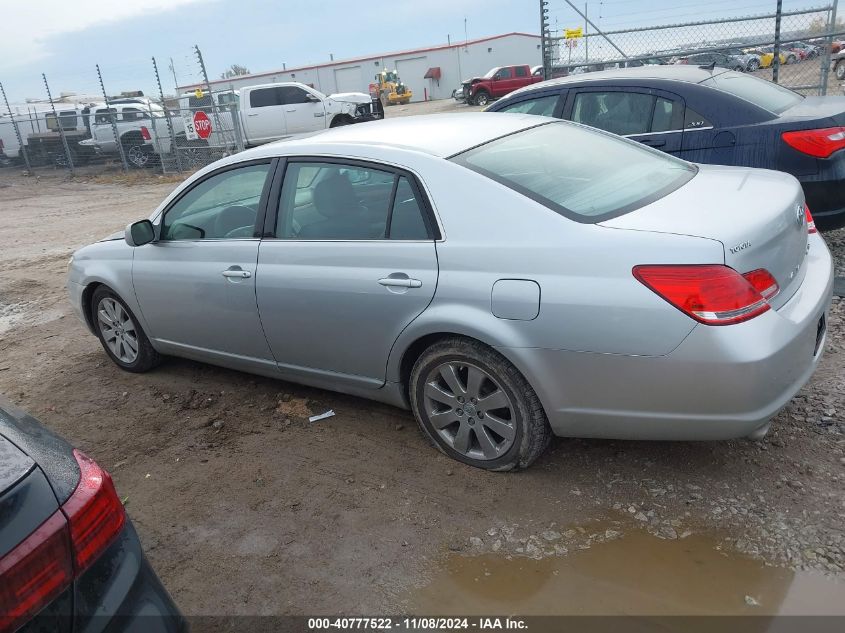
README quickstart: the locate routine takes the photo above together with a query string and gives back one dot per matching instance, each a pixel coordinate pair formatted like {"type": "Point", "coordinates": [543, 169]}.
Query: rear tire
{"type": "Point", "coordinates": [137, 153]}
{"type": "Point", "coordinates": [120, 333]}
{"type": "Point", "coordinates": [839, 69]}
{"type": "Point", "coordinates": [476, 407]}
{"type": "Point", "coordinates": [753, 66]}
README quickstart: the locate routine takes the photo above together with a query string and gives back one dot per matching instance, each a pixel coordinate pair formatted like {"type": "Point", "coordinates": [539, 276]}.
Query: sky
{"type": "Point", "coordinates": [65, 39]}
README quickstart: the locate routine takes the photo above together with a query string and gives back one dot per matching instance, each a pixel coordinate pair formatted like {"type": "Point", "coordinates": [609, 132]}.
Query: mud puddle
{"type": "Point", "coordinates": [638, 574]}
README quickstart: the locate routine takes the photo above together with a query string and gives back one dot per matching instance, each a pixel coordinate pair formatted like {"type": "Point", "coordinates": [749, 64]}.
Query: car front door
{"type": "Point", "coordinates": [265, 116]}
{"type": "Point", "coordinates": [502, 82]}
{"type": "Point", "coordinates": [102, 130]}
{"type": "Point", "coordinates": [351, 262]}
{"type": "Point", "coordinates": [652, 117]}
{"type": "Point", "coordinates": [196, 283]}
{"type": "Point", "coordinates": [302, 112]}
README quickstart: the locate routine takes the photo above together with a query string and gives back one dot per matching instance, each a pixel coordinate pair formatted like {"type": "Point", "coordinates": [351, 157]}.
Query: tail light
{"type": "Point", "coordinates": [763, 282]}
{"type": "Point", "coordinates": [39, 568]}
{"type": "Point", "coordinates": [710, 294]}
{"type": "Point", "coordinates": [811, 223]}
{"type": "Point", "coordinates": [145, 133]}
{"type": "Point", "coordinates": [819, 143]}
{"type": "Point", "coordinates": [34, 573]}
{"type": "Point", "coordinates": [94, 511]}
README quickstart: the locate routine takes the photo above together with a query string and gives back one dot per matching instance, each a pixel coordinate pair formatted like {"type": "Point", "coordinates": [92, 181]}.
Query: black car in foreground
{"type": "Point", "coordinates": [709, 115]}
{"type": "Point", "coordinates": [70, 560]}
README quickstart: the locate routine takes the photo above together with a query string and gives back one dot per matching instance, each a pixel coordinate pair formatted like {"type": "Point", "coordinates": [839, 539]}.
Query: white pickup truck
{"type": "Point", "coordinates": [265, 113]}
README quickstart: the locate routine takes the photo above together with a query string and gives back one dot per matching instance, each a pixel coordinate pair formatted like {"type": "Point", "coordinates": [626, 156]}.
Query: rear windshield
{"type": "Point", "coordinates": [581, 173]}
{"type": "Point", "coordinates": [760, 92]}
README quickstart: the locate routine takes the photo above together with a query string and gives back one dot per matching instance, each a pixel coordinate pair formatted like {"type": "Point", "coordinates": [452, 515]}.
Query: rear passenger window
{"type": "Point", "coordinates": [331, 201]}
{"type": "Point", "coordinates": [663, 111]}
{"type": "Point", "coordinates": [544, 106]}
{"type": "Point", "coordinates": [621, 113]}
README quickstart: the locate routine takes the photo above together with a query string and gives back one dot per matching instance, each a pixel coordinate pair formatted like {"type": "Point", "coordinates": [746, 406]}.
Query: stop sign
{"type": "Point", "coordinates": [202, 124]}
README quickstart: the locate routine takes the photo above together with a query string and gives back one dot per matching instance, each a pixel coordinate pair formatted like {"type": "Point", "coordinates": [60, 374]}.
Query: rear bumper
{"type": "Point", "coordinates": [719, 383]}
{"type": "Point", "coordinates": [121, 592]}
{"type": "Point", "coordinates": [825, 194]}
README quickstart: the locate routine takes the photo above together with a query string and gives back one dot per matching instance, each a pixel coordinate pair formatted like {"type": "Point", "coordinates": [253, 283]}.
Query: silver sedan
{"type": "Point", "coordinates": [506, 277]}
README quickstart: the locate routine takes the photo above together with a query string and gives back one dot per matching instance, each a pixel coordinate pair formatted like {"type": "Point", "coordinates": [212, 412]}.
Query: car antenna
{"type": "Point", "coordinates": [710, 66]}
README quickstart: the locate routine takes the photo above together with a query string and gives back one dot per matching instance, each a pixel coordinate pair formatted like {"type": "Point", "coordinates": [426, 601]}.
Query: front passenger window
{"type": "Point", "coordinates": [224, 206]}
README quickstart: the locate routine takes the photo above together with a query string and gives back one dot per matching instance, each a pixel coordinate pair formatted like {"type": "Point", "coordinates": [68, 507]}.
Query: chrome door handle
{"type": "Point", "coordinates": [253, 114]}
{"type": "Point", "coordinates": [293, 110]}
{"type": "Point", "coordinates": [400, 282]}
{"type": "Point", "coordinates": [238, 274]}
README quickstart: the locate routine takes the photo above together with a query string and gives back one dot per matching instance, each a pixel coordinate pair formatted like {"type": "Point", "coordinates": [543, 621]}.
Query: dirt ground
{"type": "Point", "coordinates": [244, 507]}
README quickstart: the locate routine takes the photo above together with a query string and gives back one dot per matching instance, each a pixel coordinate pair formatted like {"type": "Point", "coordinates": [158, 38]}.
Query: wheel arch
{"type": "Point", "coordinates": [484, 328]}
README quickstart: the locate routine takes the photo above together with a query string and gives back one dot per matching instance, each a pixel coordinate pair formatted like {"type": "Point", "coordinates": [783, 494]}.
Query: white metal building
{"type": "Point", "coordinates": [431, 73]}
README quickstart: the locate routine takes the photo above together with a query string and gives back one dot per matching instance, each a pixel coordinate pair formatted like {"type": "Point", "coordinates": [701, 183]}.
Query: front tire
{"type": "Point", "coordinates": [753, 66]}
{"type": "Point", "coordinates": [839, 69]}
{"type": "Point", "coordinates": [121, 335]}
{"type": "Point", "coordinates": [482, 98]}
{"type": "Point", "coordinates": [476, 407]}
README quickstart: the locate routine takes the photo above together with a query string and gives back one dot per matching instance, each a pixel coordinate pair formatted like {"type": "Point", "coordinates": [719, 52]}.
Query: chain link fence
{"type": "Point", "coordinates": [792, 48]}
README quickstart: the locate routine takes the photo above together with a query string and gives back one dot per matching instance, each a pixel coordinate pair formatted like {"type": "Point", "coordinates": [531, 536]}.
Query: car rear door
{"type": "Point", "coordinates": [349, 262]}
{"type": "Point", "coordinates": [264, 112]}
{"type": "Point", "coordinates": [649, 116]}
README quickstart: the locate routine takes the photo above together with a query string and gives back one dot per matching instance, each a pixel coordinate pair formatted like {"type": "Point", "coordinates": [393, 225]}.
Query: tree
{"type": "Point", "coordinates": [235, 70]}
{"type": "Point", "coordinates": [819, 26]}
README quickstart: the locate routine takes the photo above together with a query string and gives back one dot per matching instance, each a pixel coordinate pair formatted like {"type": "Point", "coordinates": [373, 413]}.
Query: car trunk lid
{"type": "Point", "coordinates": [757, 215]}
{"type": "Point", "coordinates": [820, 111]}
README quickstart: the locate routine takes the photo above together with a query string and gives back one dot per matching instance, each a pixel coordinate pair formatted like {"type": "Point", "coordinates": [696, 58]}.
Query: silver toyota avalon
{"type": "Point", "coordinates": [504, 276]}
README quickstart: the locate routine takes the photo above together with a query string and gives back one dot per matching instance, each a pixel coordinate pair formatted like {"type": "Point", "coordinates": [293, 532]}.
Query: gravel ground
{"type": "Point", "coordinates": [245, 507]}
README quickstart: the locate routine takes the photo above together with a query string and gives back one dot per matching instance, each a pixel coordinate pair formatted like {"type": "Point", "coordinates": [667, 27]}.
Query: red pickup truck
{"type": "Point", "coordinates": [497, 83]}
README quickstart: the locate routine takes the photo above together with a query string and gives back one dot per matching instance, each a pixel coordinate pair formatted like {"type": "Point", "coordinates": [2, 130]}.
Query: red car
{"type": "Point", "coordinates": [497, 83]}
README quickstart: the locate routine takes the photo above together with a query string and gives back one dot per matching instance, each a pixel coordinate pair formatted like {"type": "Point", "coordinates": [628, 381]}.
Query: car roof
{"type": "Point", "coordinates": [441, 135]}
{"type": "Point", "coordinates": [672, 72]}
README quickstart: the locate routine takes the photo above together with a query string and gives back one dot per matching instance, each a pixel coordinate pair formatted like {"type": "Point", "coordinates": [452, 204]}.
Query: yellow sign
{"type": "Point", "coordinates": [573, 34]}
{"type": "Point", "coordinates": [198, 93]}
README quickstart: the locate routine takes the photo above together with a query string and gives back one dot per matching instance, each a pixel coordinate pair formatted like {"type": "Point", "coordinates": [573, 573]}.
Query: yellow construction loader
{"type": "Point", "coordinates": [389, 88]}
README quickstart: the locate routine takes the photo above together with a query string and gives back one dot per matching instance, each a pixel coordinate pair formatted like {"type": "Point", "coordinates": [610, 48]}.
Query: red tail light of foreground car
{"type": "Point", "coordinates": [39, 568]}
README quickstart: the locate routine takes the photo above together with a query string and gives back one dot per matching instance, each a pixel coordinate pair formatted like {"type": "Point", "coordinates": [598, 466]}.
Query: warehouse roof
{"type": "Point", "coordinates": [353, 60]}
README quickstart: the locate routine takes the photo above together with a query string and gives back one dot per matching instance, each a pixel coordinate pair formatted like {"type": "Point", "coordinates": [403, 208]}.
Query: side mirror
{"type": "Point", "coordinates": [139, 233]}
{"type": "Point", "coordinates": [311, 98]}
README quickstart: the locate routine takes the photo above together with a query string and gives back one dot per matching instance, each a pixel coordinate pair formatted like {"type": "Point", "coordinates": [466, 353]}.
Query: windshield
{"type": "Point", "coordinates": [760, 92]}
{"type": "Point", "coordinates": [581, 173]}
{"type": "Point", "coordinates": [491, 72]}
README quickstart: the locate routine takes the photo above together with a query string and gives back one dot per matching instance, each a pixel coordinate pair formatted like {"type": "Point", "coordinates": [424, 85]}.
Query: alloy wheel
{"type": "Point", "coordinates": [118, 330]}
{"type": "Point", "coordinates": [469, 410]}
{"type": "Point", "coordinates": [136, 156]}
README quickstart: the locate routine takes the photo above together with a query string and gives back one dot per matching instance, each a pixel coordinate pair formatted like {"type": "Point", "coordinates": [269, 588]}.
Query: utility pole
{"type": "Point", "coordinates": [545, 39]}
{"type": "Point", "coordinates": [586, 30]}
{"type": "Point", "coordinates": [776, 58]}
